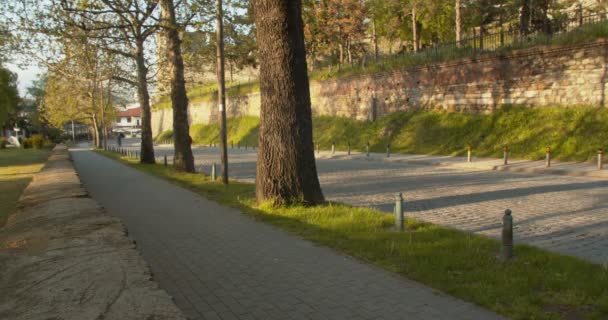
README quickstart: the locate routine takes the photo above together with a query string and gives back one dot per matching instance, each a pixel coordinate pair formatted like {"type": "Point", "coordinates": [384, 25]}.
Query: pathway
{"type": "Point", "coordinates": [221, 264]}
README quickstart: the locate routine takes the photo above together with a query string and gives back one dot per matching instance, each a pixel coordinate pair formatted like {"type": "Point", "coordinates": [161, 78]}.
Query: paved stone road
{"type": "Point", "coordinates": [564, 214]}
{"type": "Point", "coordinates": [220, 264]}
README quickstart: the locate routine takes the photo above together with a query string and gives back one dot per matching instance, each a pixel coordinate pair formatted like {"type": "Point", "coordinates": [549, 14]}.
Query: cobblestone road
{"type": "Point", "coordinates": [564, 214]}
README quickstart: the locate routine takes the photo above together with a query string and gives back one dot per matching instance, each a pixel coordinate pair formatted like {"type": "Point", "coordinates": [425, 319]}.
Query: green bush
{"type": "Point", "coordinates": [165, 135]}
{"type": "Point", "coordinates": [37, 141]}
{"type": "Point", "coordinates": [25, 143]}
{"type": "Point", "coordinates": [3, 142]}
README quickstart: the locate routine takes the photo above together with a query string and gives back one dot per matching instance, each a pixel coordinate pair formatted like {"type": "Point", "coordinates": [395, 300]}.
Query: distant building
{"type": "Point", "coordinates": [128, 120]}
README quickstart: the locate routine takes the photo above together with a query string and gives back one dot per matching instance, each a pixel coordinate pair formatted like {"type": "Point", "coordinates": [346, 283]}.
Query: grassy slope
{"type": "Point", "coordinates": [17, 166]}
{"type": "Point", "coordinates": [572, 133]}
{"type": "Point", "coordinates": [536, 285]}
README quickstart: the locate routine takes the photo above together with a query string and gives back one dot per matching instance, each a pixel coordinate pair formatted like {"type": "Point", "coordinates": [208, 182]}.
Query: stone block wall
{"type": "Point", "coordinates": [542, 76]}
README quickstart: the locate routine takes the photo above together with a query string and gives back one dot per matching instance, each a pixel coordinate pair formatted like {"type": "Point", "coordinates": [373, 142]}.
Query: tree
{"type": "Point", "coordinates": [79, 87]}
{"type": "Point", "coordinates": [458, 7]}
{"type": "Point", "coordinates": [9, 95]}
{"type": "Point", "coordinates": [286, 170]}
{"type": "Point", "coordinates": [183, 159]}
{"type": "Point", "coordinates": [123, 28]}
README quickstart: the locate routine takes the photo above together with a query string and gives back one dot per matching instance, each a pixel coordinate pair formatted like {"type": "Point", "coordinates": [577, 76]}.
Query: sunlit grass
{"type": "Point", "coordinates": [17, 167]}
{"type": "Point", "coordinates": [573, 133]}
{"type": "Point", "coordinates": [536, 285]}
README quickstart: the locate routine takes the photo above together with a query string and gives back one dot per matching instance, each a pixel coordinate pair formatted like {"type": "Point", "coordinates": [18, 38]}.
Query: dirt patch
{"type": "Point", "coordinates": [63, 257]}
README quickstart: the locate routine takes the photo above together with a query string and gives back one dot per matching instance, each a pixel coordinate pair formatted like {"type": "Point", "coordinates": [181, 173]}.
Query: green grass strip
{"type": "Point", "coordinates": [17, 167]}
{"type": "Point", "coordinates": [536, 285]}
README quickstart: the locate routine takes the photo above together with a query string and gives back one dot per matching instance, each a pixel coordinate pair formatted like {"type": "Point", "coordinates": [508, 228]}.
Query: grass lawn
{"type": "Point", "coordinates": [17, 166]}
{"type": "Point", "coordinates": [536, 285]}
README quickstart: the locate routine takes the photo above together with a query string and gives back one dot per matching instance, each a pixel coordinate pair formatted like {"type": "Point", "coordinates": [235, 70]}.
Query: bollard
{"type": "Point", "coordinates": [548, 157]}
{"type": "Point", "coordinates": [165, 161]}
{"type": "Point", "coordinates": [600, 159]}
{"type": "Point", "coordinates": [136, 154]}
{"type": "Point", "coordinates": [333, 147]}
{"type": "Point", "coordinates": [367, 149]}
{"type": "Point", "coordinates": [399, 212]}
{"type": "Point", "coordinates": [469, 153]}
{"type": "Point", "coordinates": [388, 150]}
{"type": "Point", "coordinates": [349, 148]}
{"type": "Point", "coordinates": [505, 155]}
{"type": "Point", "coordinates": [213, 172]}
{"type": "Point", "coordinates": [506, 250]}
{"type": "Point", "coordinates": [318, 148]}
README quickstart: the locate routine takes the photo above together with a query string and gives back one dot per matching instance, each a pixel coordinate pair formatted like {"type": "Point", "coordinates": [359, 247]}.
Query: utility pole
{"type": "Point", "coordinates": [221, 93]}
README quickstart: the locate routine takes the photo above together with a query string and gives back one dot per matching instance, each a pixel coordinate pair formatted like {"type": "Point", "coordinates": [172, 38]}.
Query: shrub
{"type": "Point", "coordinates": [37, 141]}
{"type": "Point", "coordinates": [3, 142]}
{"type": "Point", "coordinates": [165, 135]}
{"type": "Point", "coordinates": [25, 143]}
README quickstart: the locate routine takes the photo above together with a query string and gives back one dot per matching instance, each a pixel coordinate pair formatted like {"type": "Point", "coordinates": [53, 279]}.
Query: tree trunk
{"type": "Point", "coordinates": [458, 24]}
{"type": "Point", "coordinates": [95, 131]}
{"type": "Point", "coordinates": [286, 169]}
{"type": "Point", "coordinates": [524, 18]}
{"type": "Point", "coordinates": [183, 159]}
{"type": "Point", "coordinates": [221, 97]}
{"type": "Point", "coordinates": [414, 29]}
{"type": "Point", "coordinates": [147, 147]}
{"type": "Point", "coordinates": [349, 51]}
{"type": "Point", "coordinates": [375, 39]}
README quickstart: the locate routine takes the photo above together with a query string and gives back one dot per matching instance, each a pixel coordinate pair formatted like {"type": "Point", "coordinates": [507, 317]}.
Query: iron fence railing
{"type": "Point", "coordinates": [509, 36]}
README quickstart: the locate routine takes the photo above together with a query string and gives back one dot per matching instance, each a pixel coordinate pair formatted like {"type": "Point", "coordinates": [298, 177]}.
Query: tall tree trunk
{"type": "Point", "coordinates": [183, 159]}
{"type": "Point", "coordinates": [286, 169]}
{"type": "Point", "coordinates": [349, 51]}
{"type": "Point", "coordinates": [414, 28]}
{"type": "Point", "coordinates": [524, 17]}
{"type": "Point", "coordinates": [375, 39]}
{"type": "Point", "coordinates": [458, 24]}
{"type": "Point", "coordinates": [147, 146]}
{"type": "Point", "coordinates": [95, 131]}
{"type": "Point", "coordinates": [221, 97]}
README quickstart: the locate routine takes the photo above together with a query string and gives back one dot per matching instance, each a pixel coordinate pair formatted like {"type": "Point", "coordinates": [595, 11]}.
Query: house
{"type": "Point", "coordinates": [128, 120]}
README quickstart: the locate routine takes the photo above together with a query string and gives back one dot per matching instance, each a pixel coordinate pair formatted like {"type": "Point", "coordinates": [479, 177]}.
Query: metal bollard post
{"type": "Point", "coordinates": [505, 155]}
{"type": "Point", "coordinates": [165, 161]}
{"type": "Point", "coordinates": [506, 250]}
{"type": "Point", "coordinates": [349, 148]}
{"type": "Point", "coordinates": [548, 157]}
{"type": "Point", "coordinates": [469, 153]}
{"type": "Point", "coordinates": [388, 150]}
{"type": "Point", "coordinates": [399, 225]}
{"type": "Point", "coordinates": [213, 172]}
{"type": "Point", "coordinates": [367, 149]}
{"type": "Point", "coordinates": [318, 148]}
{"type": "Point", "coordinates": [600, 159]}
{"type": "Point", "coordinates": [333, 147]}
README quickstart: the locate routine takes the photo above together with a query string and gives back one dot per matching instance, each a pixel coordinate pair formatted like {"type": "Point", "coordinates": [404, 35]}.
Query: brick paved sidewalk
{"type": "Point", "coordinates": [220, 264]}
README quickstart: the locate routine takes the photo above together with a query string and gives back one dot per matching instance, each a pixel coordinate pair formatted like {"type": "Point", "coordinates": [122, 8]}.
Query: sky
{"type": "Point", "coordinates": [25, 75]}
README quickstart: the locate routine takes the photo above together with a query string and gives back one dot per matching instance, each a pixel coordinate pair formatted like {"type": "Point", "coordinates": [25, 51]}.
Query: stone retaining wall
{"type": "Point", "coordinates": [543, 76]}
